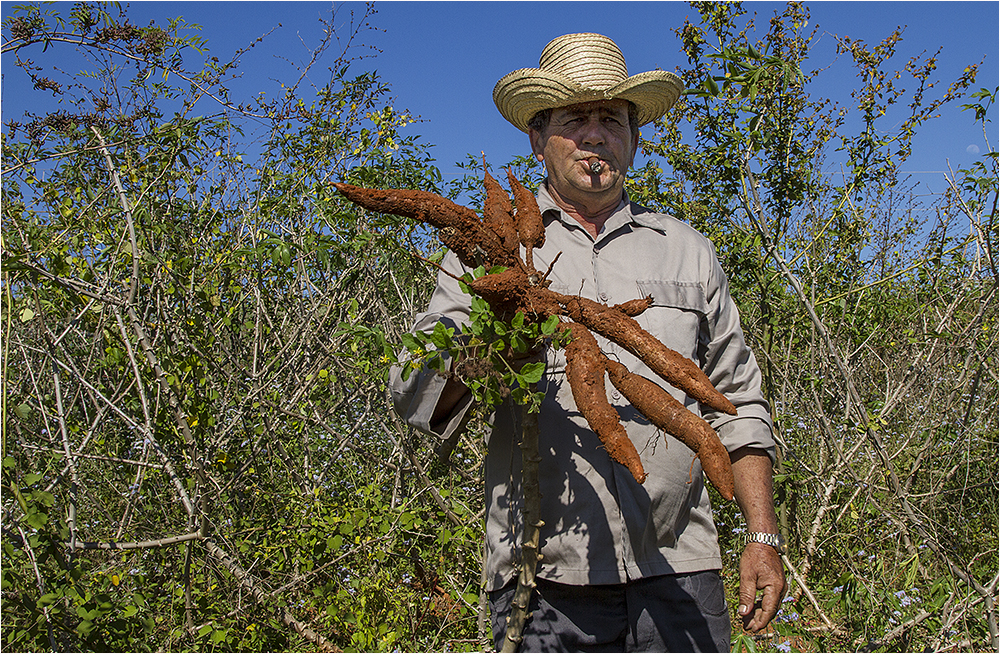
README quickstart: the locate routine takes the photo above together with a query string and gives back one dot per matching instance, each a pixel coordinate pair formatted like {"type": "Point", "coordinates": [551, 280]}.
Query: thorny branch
{"type": "Point", "coordinates": [753, 208]}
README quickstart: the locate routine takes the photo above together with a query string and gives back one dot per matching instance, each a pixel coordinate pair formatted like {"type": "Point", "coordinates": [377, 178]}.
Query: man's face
{"type": "Point", "coordinates": [580, 134]}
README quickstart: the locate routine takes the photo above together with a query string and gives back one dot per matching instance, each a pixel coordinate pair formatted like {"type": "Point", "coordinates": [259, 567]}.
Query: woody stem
{"type": "Point", "coordinates": [530, 555]}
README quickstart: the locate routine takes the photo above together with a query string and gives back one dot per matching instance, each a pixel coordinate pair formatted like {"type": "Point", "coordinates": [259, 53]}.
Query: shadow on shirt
{"type": "Point", "coordinates": [601, 527]}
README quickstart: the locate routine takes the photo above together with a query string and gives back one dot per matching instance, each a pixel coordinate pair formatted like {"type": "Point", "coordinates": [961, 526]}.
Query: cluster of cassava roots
{"type": "Point", "coordinates": [496, 240]}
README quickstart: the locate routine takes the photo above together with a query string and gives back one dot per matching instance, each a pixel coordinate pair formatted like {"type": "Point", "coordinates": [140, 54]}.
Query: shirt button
{"type": "Point", "coordinates": [616, 395]}
{"type": "Point", "coordinates": [604, 297]}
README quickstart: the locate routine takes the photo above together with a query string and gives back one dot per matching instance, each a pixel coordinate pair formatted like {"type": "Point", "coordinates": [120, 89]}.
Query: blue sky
{"type": "Point", "coordinates": [443, 58]}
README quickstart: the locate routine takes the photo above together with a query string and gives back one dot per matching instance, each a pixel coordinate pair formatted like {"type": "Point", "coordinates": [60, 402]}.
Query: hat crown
{"type": "Point", "coordinates": [591, 60]}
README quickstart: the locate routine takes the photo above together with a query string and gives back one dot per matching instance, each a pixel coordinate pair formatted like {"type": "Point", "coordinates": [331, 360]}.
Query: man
{"type": "Point", "coordinates": [625, 567]}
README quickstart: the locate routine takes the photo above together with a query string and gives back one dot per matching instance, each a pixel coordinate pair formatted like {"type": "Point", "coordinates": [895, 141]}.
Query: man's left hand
{"type": "Point", "coordinates": [760, 570]}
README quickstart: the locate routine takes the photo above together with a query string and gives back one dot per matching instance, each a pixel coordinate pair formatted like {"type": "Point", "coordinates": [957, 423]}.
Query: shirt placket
{"type": "Point", "coordinates": [607, 294]}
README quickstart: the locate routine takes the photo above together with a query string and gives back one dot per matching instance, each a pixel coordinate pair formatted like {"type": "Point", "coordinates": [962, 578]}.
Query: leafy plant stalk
{"type": "Point", "coordinates": [531, 544]}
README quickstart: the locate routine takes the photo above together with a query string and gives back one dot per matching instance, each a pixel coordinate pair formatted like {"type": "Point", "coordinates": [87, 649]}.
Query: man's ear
{"type": "Point", "coordinates": [537, 144]}
{"type": "Point", "coordinates": [635, 148]}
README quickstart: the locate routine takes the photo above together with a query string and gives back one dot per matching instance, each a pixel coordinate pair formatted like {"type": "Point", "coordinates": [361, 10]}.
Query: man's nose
{"type": "Point", "coordinates": [593, 131]}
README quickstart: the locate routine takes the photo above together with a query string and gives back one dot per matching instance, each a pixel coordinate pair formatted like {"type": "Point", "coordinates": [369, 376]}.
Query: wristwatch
{"type": "Point", "coordinates": [774, 540]}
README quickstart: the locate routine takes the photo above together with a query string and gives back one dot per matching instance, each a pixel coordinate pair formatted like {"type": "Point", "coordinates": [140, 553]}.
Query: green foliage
{"type": "Point", "coordinates": [488, 352]}
{"type": "Point", "coordinates": [873, 317]}
{"type": "Point", "coordinates": [198, 452]}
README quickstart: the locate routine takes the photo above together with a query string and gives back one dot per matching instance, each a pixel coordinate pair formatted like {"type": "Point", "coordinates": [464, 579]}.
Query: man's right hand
{"type": "Point", "coordinates": [518, 361]}
{"type": "Point", "coordinates": [455, 390]}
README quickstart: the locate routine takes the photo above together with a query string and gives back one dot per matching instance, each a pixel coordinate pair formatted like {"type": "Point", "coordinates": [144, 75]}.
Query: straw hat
{"type": "Point", "coordinates": [579, 68]}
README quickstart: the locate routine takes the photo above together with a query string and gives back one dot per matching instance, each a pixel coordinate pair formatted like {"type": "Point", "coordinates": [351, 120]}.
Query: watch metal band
{"type": "Point", "coordinates": [774, 540]}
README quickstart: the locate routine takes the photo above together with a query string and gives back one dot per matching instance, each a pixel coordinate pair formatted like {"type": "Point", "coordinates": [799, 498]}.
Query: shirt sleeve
{"type": "Point", "coordinates": [415, 398]}
{"type": "Point", "coordinates": [732, 368]}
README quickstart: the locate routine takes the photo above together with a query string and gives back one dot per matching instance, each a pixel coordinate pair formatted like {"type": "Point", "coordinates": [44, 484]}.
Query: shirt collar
{"type": "Point", "coordinates": [626, 212]}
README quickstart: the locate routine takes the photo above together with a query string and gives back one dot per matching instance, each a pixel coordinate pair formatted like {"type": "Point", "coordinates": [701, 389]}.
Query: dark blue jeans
{"type": "Point", "coordinates": [668, 613]}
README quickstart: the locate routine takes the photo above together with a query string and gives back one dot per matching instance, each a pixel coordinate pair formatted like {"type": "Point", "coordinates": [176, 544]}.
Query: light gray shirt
{"type": "Point", "coordinates": [601, 527]}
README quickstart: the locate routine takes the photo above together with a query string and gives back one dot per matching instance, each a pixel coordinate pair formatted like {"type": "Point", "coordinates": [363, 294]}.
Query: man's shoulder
{"type": "Point", "coordinates": [668, 225]}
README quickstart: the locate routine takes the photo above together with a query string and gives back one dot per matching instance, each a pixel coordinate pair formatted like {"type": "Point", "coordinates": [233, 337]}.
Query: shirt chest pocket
{"type": "Point", "coordinates": [676, 315]}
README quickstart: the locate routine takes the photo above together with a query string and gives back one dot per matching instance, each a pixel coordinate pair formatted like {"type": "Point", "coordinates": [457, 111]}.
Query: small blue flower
{"type": "Point", "coordinates": [904, 599]}
{"type": "Point", "coordinates": [782, 616]}
{"type": "Point", "coordinates": [784, 647]}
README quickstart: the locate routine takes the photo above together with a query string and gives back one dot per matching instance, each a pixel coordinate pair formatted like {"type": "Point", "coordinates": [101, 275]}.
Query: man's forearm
{"type": "Point", "coordinates": [761, 571]}
{"type": "Point", "coordinates": [754, 488]}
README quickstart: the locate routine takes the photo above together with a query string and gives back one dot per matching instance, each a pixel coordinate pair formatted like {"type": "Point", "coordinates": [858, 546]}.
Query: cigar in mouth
{"type": "Point", "coordinates": [596, 166]}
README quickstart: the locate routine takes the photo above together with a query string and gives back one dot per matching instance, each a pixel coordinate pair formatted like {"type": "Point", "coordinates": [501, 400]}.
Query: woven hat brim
{"type": "Point", "coordinates": [523, 93]}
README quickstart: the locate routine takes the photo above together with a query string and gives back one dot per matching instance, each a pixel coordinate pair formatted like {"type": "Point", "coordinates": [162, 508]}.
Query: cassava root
{"type": "Point", "coordinates": [585, 373]}
{"type": "Point", "coordinates": [496, 240]}
{"type": "Point", "coordinates": [672, 417]}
